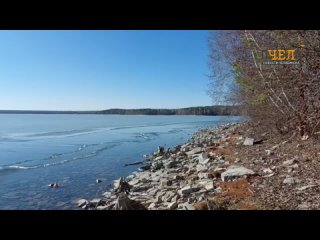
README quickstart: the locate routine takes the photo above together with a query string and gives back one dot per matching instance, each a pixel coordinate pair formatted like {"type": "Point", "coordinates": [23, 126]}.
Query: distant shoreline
{"type": "Point", "coordinates": [206, 110]}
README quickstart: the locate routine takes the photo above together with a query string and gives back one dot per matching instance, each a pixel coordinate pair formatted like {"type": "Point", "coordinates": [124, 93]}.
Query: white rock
{"type": "Point", "coordinates": [158, 158]}
{"type": "Point", "coordinates": [236, 171]}
{"type": "Point", "coordinates": [237, 160]}
{"type": "Point", "coordinates": [218, 190]}
{"type": "Point", "coordinates": [188, 206]}
{"type": "Point", "coordinates": [194, 151]}
{"type": "Point", "coordinates": [267, 170]}
{"type": "Point", "coordinates": [82, 202]}
{"type": "Point", "coordinates": [202, 175]}
{"type": "Point", "coordinates": [200, 168]}
{"type": "Point", "coordinates": [156, 178]}
{"type": "Point", "coordinates": [209, 186]}
{"type": "Point", "coordinates": [269, 152]}
{"type": "Point", "coordinates": [142, 175]}
{"type": "Point", "coordinates": [172, 205]}
{"type": "Point", "coordinates": [291, 180]}
{"type": "Point", "coordinates": [185, 147]}
{"type": "Point", "coordinates": [211, 154]}
{"type": "Point", "coordinates": [274, 147]}
{"type": "Point", "coordinates": [206, 184]}
{"type": "Point", "coordinates": [102, 207]}
{"type": "Point", "coordinates": [203, 158]}
{"type": "Point", "coordinates": [130, 177]}
{"type": "Point", "coordinates": [248, 141]}
{"type": "Point", "coordinates": [219, 169]}
{"type": "Point", "coordinates": [289, 162]}
{"type": "Point", "coordinates": [132, 182]}
{"type": "Point", "coordinates": [151, 206]}
{"type": "Point", "coordinates": [303, 206]}
{"type": "Point", "coordinates": [269, 175]}
{"type": "Point", "coordinates": [107, 194]}
{"type": "Point", "coordinates": [95, 201]}
{"type": "Point", "coordinates": [116, 183]}
{"type": "Point", "coordinates": [305, 187]}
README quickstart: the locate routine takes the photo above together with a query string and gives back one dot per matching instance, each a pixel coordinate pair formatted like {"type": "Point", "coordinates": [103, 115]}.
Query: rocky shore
{"type": "Point", "coordinates": [184, 177]}
{"type": "Point", "coordinates": [228, 167]}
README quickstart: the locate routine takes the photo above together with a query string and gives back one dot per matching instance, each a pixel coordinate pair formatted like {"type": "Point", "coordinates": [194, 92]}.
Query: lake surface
{"type": "Point", "coordinates": [75, 150]}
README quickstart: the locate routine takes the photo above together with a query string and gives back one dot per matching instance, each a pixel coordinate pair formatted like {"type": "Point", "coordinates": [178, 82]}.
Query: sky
{"type": "Point", "coordinates": [96, 70]}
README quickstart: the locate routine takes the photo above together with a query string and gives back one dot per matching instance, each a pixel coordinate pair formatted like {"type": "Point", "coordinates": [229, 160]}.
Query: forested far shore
{"type": "Point", "coordinates": [205, 110]}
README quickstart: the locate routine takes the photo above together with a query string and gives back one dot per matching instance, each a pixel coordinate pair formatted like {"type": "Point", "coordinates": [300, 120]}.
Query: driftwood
{"type": "Point", "coordinates": [145, 167]}
{"type": "Point", "coordinates": [125, 203]}
{"type": "Point", "coordinates": [160, 150]}
{"type": "Point", "coordinates": [124, 186]}
{"type": "Point", "coordinates": [134, 163]}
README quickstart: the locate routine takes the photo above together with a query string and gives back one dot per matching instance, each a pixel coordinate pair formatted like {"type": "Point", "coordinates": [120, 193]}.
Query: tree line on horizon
{"type": "Point", "coordinates": [205, 110]}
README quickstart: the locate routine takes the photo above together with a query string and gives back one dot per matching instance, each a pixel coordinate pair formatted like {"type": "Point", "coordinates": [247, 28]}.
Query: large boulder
{"type": "Point", "coordinates": [187, 190]}
{"type": "Point", "coordinates": [235, 171]}
{"type": "Point", "coordinates": [203, 158]}
{"type": "Point", "coordinates": [194, 151]}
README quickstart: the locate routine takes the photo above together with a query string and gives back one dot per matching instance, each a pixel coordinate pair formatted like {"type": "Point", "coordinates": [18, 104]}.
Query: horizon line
{"type": "Point", "coordinates": [30, 110]}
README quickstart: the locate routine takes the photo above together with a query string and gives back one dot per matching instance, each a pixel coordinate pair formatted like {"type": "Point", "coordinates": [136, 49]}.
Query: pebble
{"type": "Point", "coordinates": [267, 170]}
{"type": "Point", "coordinates": [291, 180]}
{"type": "Point", "coordinates": [248, 141]}
{"type": "Point", "coordinates": [289, 162]}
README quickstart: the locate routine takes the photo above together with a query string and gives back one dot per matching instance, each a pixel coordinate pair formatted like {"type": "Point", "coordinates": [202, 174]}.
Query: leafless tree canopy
{"type": "Point", "coordinates": [283, 96]}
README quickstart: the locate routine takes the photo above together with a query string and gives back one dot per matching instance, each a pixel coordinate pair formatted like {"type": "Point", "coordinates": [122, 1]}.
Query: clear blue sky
{"type": "Point", "coordinates": [95, 70]}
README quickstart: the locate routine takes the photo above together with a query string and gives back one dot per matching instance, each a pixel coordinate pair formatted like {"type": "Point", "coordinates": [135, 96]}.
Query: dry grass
{"type": "Point", "coordinates": [201, 206]}
{"type": "Point", "coordinates": [236, 190]}
{"type": "Point", "coordinates": [236, 195]}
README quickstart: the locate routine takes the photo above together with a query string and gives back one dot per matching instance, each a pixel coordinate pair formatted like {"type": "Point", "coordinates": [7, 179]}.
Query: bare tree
{"type": "Point", "coordinates": [284, 96]}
